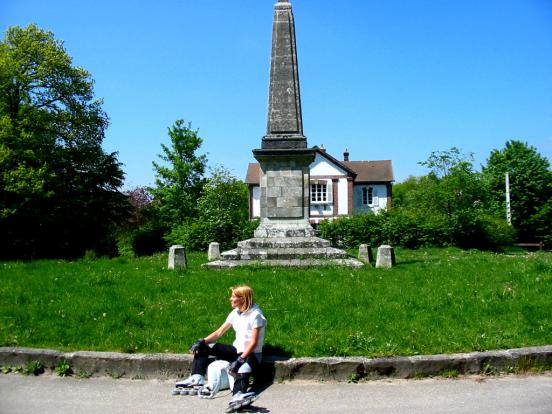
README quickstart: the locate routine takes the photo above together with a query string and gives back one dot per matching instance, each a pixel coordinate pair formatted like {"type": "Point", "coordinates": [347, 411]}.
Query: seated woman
{"type": "Point", "coordinates": [244, 355]}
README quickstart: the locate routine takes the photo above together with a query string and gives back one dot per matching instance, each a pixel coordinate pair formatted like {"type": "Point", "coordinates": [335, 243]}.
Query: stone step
{"type": "Point", "coordinates": [228, 264]}
{"type": "Point", "coordinates": [277, 231]}
{"type": "Point", "coordinates": [283, 243]}
{"type": "Point", "coordinates": [284, 254]}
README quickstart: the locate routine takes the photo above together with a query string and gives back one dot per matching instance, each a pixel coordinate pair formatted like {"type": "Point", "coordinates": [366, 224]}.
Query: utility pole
{"type": "Point", "coordinates": [508, 206]}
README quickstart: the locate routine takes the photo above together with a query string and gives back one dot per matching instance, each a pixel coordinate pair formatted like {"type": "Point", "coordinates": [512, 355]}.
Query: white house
{"type": "Point", "coordinates": [337, 188]}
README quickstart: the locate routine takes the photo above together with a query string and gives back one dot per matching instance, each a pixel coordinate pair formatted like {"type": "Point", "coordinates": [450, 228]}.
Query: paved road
{"type": "Point", "coordinates": [49, 394]}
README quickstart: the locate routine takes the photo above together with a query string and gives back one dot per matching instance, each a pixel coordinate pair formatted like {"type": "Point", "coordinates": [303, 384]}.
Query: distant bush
{"type": "Point", "coordinates": [196, 235]}
{"type": "Point", "coordinates": [143, 241]}
{"type": "Point", "coordinates": [414, 229]}
{"type": "Point", "coordinates": [223, 215]}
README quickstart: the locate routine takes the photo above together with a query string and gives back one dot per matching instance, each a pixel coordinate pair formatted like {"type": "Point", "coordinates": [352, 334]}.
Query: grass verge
{"type": "Point", "coordinates": [434, 301]}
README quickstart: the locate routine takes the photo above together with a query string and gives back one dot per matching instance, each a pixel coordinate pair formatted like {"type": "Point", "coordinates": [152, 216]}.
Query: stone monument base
{"type": "Point", "coordinates": [294, 246]}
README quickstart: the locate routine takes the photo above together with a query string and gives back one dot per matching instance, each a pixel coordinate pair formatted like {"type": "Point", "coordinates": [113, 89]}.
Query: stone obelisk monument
{"type": "Point", "coordinates": [284, 157]}
{"type": "Point", "coordinates": [284, 236]}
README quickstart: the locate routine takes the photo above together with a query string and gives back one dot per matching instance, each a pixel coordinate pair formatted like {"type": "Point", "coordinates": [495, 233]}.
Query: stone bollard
{"type": "Point", "coordinates": [365, 253]}
{"type": "Point", "coordinates": [177, 257]}
{"type": "Point", "coordinates": [386, 256]}
{"type": "Point", "coordinates": [214, 252]}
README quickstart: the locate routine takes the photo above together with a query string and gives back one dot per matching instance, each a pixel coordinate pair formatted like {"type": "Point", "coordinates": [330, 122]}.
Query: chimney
{"type": "Point", "coordinates": [322, 148]}
{"type": "Point", "coordinates": [346, 155]}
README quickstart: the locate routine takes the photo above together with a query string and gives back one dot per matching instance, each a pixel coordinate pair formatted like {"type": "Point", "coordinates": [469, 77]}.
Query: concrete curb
{"type": "Point", "coordinates": [167, 366]}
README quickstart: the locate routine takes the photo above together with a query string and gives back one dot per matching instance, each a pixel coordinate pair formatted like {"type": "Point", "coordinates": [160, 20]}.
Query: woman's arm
{"type": "Point", "coordinates": [212, 337]}
{"type": "Point", "coordinates": [251, 346]}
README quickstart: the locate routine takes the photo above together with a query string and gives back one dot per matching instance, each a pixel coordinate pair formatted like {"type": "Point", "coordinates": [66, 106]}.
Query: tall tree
{"type": "Point", "coordinates": [530, 186]}
{"type": "Point", "coordinates": [58, 188]}
{"type": "Point", "coordinates": [452, 199]}
{"type": "Point", "coordinates": [223, 210]}
{"type": "Point", "coordinates": [452, 187]}
{"type": "Point", "coordinates": [179, 180]}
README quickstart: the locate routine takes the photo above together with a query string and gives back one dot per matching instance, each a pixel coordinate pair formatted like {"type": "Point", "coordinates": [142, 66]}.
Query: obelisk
{"type": "Point", "coordinates": [284, 157]}
{"type": "Point", "coordinates": [284, 236]}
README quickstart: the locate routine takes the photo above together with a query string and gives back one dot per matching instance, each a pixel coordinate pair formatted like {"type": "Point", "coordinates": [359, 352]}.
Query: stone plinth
{"type": "Point", "coordinates": [284, 228]}
{"type": "Point", "coordinates": [386, 256]}
{"type": "Point", "coordinates": [365, 253]}
{"type": "Point", "coordinates": [284, 184]}
{"type": "Point", "coordinates": [213, 252]}
{"type": "Point", "coordinates": [284, 251]}
{"type": "Point", "coordinates": [177, 257]}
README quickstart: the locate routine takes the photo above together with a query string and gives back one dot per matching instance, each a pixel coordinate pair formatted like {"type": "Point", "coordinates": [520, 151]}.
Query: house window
{"type": "Point", "coordinates": [367, 196]}
{"type": "Point", "coordinates": [320, 193]}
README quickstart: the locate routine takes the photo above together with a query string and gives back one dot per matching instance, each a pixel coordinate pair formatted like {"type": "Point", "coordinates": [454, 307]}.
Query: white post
{"type": "Point", "coordinates": [177, 257]}
{"type": "Point", "coordinates": [508, 206]}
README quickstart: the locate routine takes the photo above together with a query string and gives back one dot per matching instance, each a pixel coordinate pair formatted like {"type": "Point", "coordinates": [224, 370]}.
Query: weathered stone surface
{"type": "Point", "coordinates": [22, 356]}
{"type": "Point", "coordinates": [290, 248]}
{"type": "Point", "coordinates": [228, 264]}
{"type": "Point", "coordinates": [365, 253]}
{"type": "Point", "coordinates": [231, 255]}
{"type": "Point", "coordinates": [177, 257]}
{"type": "Point", "coordinates": [284, 103]}
{"type": "Point", "coordinates": [284, 183]}
{"type": "Point", "coordinates": [283, 242]}
{"type": "Point", "coordinates": [130, 365]}
{"type": "Point", "coordinates": [386, 256]}
{"type": "Point", "coordinates": [165, 366]}
{"type": "Point", "coordinates": [284, 229]}
{"type": "Point", "coordinates": [213, 252]}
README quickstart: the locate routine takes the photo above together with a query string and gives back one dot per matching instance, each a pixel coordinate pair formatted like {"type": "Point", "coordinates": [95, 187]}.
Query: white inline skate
{"type": "Point", "coordinates": [189, 386]}
{"type": "Point", "coordinates": [241, 400]}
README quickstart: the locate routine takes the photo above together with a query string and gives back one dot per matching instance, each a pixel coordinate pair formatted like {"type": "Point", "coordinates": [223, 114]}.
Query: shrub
{"type": "Point", "coordinates": [414, 229]}
{"type": "Point", "coordinates": [143, 241]}
{"type": "Point", "coordinates": [196, 234]}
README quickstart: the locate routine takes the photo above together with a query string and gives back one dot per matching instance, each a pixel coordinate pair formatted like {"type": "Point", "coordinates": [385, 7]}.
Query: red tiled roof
{"type": "Point", "coordinates": [371, 171]}
{"type": "Point", "coordinates": [253, 175]}
{"type": "Point", "coordinates": [366, 171]}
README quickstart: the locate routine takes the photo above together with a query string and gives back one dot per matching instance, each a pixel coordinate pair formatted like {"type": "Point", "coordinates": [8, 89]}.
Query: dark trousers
{"type": "Point", "coordinates": [226, 353]}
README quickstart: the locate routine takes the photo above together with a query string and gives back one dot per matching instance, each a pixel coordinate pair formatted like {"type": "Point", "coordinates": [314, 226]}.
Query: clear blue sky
{"type": "Point", "coordinates": [394, 79]}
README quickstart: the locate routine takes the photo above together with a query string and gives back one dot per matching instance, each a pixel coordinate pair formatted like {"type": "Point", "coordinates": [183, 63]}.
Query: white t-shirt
{"type": "Point", "coordinates": [244, 323]}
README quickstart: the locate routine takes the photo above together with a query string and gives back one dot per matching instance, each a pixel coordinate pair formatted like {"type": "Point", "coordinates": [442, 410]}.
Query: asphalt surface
{"type": "Point", "coordinates": [48, 394]}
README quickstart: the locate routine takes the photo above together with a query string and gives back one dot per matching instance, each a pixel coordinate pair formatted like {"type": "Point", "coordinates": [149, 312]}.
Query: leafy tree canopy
{"type": "Point", "coordinates": [180, 178]}
{"type": "Point", "coordinates": [58, 188]}
{"type": "Point", "coordinates": [449, 205]}
{"type": "Point", "coordinates": [223, 214]}
{"type": "Point", "coordinates": [225, 198]}
{"type": "Point", "coordinates": [530, 187]}
{"type": "Point", "coordinates": [451, 188]}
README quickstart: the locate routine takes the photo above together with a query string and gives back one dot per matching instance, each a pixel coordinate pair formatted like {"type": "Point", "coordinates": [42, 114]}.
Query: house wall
{"type": "Point", "coordinates": [379, 200]}
{"type": "Point", "coordinates": [321, 211]}
{"type": "Point", "coordinates": [321, 167]}
{"type": "Point", "coordinates": [336, 178]}
{"type": "Point", "coordinates": [255, 202]}
{"type": "Point", "coordinates": [343, 199]}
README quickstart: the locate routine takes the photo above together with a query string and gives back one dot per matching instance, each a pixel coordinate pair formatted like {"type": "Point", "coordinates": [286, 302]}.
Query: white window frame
{"type": "Point", "coordinates": [369, 196]}
{"type": "Point", "coordinates": [321, 192]}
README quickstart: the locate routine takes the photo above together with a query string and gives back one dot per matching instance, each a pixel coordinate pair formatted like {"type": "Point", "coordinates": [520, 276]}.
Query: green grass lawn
{"type": "Point", "coordinates": [433, 301]}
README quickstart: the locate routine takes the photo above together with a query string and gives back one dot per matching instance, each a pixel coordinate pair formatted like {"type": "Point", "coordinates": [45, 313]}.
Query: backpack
{"type": "Point", "coordinates": [217, 379]}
